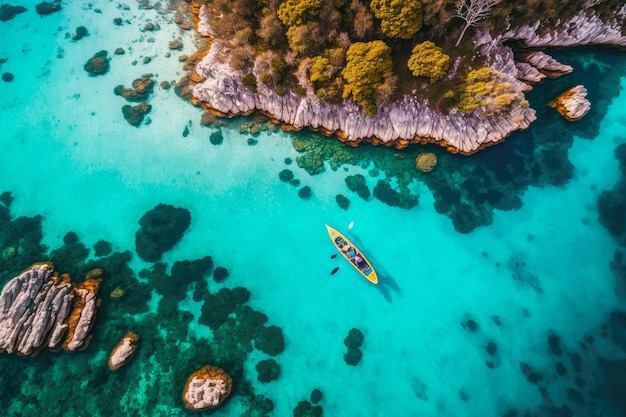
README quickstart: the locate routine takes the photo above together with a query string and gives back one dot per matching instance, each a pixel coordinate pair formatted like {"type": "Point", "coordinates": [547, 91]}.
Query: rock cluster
{"type": "Point", "coordinates": [572, 104]}
{"type": "Point", "coordinates": [353, 342]}
{"type": "Point", "coordinates": [40, 309]}
{"type": "Point", "coordinates": [207, 388]}
{"type": "Point", "coordinates": [141, 89]}
{"type": "Point", "coordinates": [123, 351]}
{"type": "Point", "coordinates": [535, 66]}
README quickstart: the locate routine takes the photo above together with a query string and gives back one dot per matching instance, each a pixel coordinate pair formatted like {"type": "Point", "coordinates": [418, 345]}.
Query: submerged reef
{"type": "Point", "coordinates": [160, 229]}
{"type": "Point", "coordinates": [172, 345]}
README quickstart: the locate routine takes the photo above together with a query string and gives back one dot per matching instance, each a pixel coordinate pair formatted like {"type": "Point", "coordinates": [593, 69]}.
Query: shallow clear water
{"type": "Point", "coordinates": [68, 154]}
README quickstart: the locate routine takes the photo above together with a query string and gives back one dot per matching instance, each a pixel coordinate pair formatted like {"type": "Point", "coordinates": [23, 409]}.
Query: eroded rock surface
{"type": "Point", "coordinates": [207, 388]}
{"type": "Point", "coordinates": [40, 309]}
{"type": "Point", "coordinates": [123, 351]}
{"type": "Point", "coordinates": [572, 104]}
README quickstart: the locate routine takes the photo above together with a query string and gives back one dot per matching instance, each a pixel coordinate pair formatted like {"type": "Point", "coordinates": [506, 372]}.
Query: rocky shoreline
{"type": "Point", "coordinates": [215, 86]}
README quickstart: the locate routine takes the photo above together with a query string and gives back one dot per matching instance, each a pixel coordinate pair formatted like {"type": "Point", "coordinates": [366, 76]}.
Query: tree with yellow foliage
{"type": "Point", "coordinates": [428, 60]}
{"type": "Point", "coordinates": [367, 65]}
{"type": "Point", "coordinates": [398, 18]}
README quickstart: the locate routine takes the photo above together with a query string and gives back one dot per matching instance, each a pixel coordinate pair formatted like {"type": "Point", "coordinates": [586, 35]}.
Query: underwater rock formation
{"type": "Point", "coordinates": [38, 308]}
{"type": "Point", "coordinates": [207, 388]}
{"type": "Point", "coordinates": [123, 351]}
{"type": "Point", "coordinates": [426, 161]}
{"type": "Point", "coordinates": [161, 227]}
{"type": "Point", "coordinates": [8, 12]}
{"type": "Point", "coordinates": [134, 114]}
{"type": "Point", "coordinates": [142, 87]}
{"type": "Point", "coordinates": [97, 64]}
{"type": "Point", "coordinates": [45, 8]}
{"type": "Point", "coordinates": [572, 104]}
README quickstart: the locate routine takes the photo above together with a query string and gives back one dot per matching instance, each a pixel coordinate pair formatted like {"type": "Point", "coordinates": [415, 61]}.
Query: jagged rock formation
{"type": "Point", "coordinates": [400, 123]}
{"type": "Point", "coordinates": [409, 120]}
{"type": "Point", "coordinates": [207, 388]}
{"type": "Point", "coordinates": [123, 351]}
{"type": "Point", "coordinates": [572, 104]}
{"type": "Point", "coordinates": [40, 309]}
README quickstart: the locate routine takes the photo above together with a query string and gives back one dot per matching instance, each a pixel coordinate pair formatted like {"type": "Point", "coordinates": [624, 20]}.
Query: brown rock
{"type": "Point", "coordinates": [572, 104]}
{"type": "Point", "coordinates": [149, 27]}
{"type": "Point", "coordinates": [175, 45]}
{"type": "Point", "coordinates": [183, 58]}
{"type": "Point", "coordinates": [207, 388]}
{"type": "Point", "coordinates": [83, 312]}
{"type": "Point", "coordinates": [123, 351]}
{"type": "Point", "coordinates": [426, 161]}
{"type": "Point", "coordinates": [98, 64]}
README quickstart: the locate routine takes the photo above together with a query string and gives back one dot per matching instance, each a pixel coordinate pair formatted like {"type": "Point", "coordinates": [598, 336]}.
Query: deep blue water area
{"type": "Point", "coordinates": [502, 274]}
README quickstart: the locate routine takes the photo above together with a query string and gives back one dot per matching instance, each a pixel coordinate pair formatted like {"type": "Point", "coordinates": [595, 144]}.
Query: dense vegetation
{"type": "Point", "coordinates": [372, 51]}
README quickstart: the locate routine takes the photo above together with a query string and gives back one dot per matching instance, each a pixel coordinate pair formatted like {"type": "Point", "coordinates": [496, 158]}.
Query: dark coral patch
{"type": "Point", "coordinates": [7, 77]}
{"type": "Point", "coordinates": [160, 229]}
{"type": "Point", "coordinates": [8, 12]}
{"type": "Point", "coordinates": [46, 8]}
{"type": "Point", "coordinates": [342, 201]}
{"type": "Point", "coordinates": [305, 192]}
{"type": "Point", "coordinates": [353, 356]}
{"type": "Point", "coordinates": [357, 184]}
{"type": "Point", "coordinates": [285, 175]}
{"type": "Point", "coordinates": [220, 274]}
{"type": "Point", "coordinates": [391, 197]}
{"type": "Point", "coordinates": [217, 307]}
{"type": "Point", "coordinates": [306, 409]}
{"type": "Point", "coordinates": [268, 370]}
{"type": "Point", "coordinates": [270, 340]}
{"type": "Point", "coordinates": [102, 248]}
{"type": "Point", "coordinates": [354, 338]}
{"type": "Point", "coordinates": [216, 137]}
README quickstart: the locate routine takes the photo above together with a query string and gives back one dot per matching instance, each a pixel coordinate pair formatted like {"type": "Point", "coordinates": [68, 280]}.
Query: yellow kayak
{"type": "Point", "coordinates": [352, 254]}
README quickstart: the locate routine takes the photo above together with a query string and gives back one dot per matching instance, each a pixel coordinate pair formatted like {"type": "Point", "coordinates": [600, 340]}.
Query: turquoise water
{"type": "Point", "coordinates": [544, 268]}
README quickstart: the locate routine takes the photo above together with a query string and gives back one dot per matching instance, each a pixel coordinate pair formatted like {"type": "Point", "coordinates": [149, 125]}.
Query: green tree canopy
{"type": "Point", "coordinates": [366, 65]}
{"type": "Point", "coordinates": [428, 60]}
{"type": "Point", "coordinates": [297, 12]}
{"type": "Point", "coordinates": [398, 18]}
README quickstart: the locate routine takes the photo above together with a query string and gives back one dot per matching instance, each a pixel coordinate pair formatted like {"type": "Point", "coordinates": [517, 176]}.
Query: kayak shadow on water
{"type": "Point", "coordinates": [386, 283]}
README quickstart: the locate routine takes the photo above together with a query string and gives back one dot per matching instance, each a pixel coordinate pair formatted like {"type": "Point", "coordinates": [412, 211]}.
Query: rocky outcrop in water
{"type": "Point", "coordinates": [40, 309]}
{"type": "Point", "coordinates": [572, 104]}
{"type": "Point", "coordinates": [97, 64]}
{"type": "Point", "coordinates": [207, 388]}
{"type": "Point", "coordinates": [123, 351]}
{"type": "Point", "coordinates": [400, 123]}
{"type": "Point", "coordinates": [409, 120]}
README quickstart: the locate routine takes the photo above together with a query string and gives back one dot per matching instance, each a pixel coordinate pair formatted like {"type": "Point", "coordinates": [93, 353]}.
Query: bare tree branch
{"type": "Point", "coordinates": [472, 11]}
